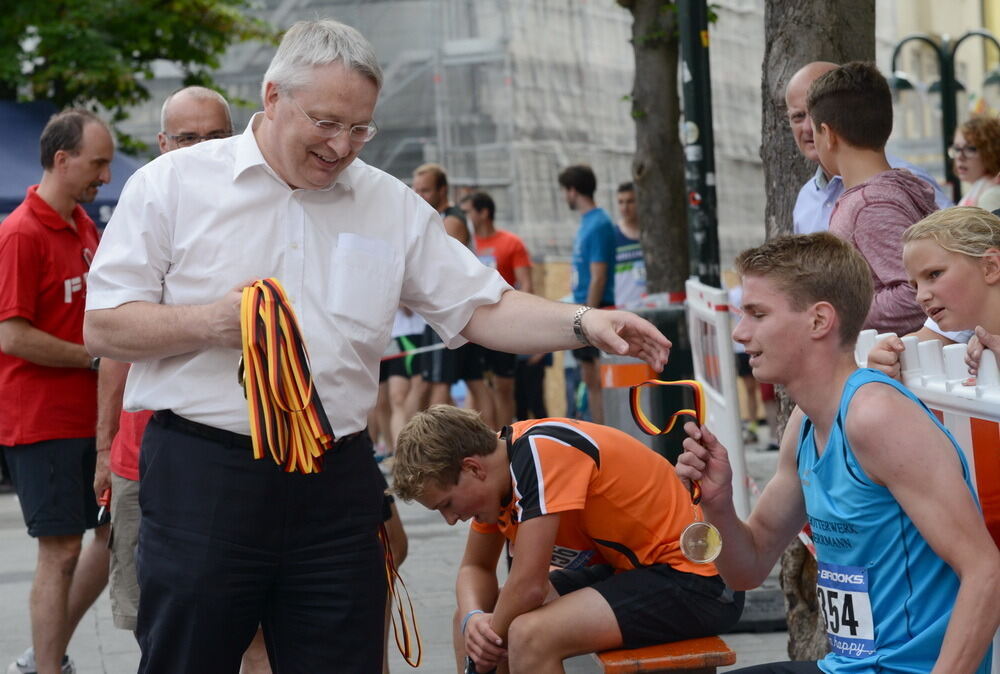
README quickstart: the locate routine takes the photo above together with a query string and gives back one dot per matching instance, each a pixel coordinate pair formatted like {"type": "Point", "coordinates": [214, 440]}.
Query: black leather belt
{"type": "Point", "coordinates": [168, 419]}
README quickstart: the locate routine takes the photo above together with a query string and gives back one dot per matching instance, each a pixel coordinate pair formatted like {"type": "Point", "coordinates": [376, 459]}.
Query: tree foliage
{"type": "Point", "coordinates": [97, 53]}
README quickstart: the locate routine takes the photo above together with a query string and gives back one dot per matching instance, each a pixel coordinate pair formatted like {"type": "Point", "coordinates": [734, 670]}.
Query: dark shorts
{"type": "Point", "coordinates": [743, 368]}
{"type": "Point", "coordinates": [656, 604]}
{"type": "Point", "coordinates": [449, 365]}
{"type": "Point", "coordinates": [405, 366]}
{"type": "Point", "coordinates": [500, 363]}
{"type": "Point", "coordinates": [54, 480]}
{"type": "Point", "coordinates": [587, 354]}
{"type": "Point", "coordinates": [798, 667]}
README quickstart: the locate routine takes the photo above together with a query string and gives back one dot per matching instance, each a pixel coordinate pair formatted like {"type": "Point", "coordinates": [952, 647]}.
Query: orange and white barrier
{"type": "Point", "coordinates": [969, 409]}
{"type": "Point", "coordinates": [715, 369]}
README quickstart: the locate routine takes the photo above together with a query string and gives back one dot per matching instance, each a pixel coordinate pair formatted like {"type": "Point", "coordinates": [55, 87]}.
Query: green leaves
{"type": "Point", "coordinates": [98, 53]}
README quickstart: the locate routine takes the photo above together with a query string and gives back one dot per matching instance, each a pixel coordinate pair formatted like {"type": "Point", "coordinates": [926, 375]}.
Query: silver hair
{"type": "Point", "coordinates": [315, 43]}
{"type": "Point", "coordinates": [202, 93]}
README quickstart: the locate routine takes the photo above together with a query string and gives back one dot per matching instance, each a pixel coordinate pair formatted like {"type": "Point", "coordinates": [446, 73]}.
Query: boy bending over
{"type": "Point", "coordinates": [909, 579]}
{"type": "Point", "coordinates": [588, 499]}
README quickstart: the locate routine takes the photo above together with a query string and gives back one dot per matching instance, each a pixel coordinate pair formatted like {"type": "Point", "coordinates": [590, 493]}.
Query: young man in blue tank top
{"type": "Point", "coordinates": [909, 579]}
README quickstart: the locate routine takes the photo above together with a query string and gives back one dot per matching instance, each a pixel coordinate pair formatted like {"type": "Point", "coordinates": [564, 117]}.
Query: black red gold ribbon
{"type": "Point", "coordinates": [287, 419]}
{"type": "Point", "coordinates": [649, 428]}
{"type": "Point", "coordinates": [401, 630]}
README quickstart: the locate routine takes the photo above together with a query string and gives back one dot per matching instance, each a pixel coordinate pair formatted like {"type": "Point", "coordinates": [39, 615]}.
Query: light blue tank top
{"type": "Point", "coordinates": [887, 597]}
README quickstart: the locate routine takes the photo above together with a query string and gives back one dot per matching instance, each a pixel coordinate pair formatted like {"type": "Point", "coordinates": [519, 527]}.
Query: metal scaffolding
{"type": "Point", "coordinates": [503, 93]}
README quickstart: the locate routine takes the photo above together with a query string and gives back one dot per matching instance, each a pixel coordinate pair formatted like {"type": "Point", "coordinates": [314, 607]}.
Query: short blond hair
{"type": "Point", "coordinates": [435, 170]}
{"type": "Point", "coordinates": [962, 229]}
{"type": "Point", "coordinates": [431, 446]}
{"type": "Point", "coordinates": [812, 268]}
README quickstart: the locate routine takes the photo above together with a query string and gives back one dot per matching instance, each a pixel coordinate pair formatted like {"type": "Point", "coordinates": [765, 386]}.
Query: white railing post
{"type": "Point", "coordinates": [715, 368]}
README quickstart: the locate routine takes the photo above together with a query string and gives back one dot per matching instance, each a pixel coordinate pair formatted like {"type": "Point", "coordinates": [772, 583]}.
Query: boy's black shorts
{"type": "Point", "coordinates": [655, 604]}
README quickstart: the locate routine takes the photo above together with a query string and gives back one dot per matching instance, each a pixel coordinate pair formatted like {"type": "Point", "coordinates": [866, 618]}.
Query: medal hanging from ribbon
{"type": "Point", "coordinates": [700, 541]}
{"type": "Point", "coordinates": [287, 419]}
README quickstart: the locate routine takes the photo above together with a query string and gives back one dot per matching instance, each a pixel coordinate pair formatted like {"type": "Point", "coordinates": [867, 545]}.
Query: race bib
{"type": "Point", "coordinates": [568, 558]}
{"type": "Point", "coordinates": [842, 592]}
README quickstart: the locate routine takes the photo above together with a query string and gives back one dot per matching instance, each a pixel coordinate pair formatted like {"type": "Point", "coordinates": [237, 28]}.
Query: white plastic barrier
{"type": "Point", "coordinates": [938, 376]}
{"type": "Point", "coordinates": [715, 368]}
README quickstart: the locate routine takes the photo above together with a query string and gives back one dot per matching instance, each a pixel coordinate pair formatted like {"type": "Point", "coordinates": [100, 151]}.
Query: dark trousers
{"type": "Point", "coordinates": [228, 543]}
{"type": "Point", "coordinates": [529, 390]}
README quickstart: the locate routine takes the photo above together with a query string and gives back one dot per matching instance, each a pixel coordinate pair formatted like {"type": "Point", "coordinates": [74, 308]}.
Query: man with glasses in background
{"type": "Point", "coordinates": [189, 116]}
{"type": "Point", "coordinates": [226, 542]}
{"type": "Point", "coordinates": [192, 115]}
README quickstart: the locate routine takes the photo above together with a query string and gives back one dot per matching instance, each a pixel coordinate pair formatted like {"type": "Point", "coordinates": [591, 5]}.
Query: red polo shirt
{"type": "Point", "coordinates": [127, 443]}
{"type": "Point", "coordinates": [43, 279]}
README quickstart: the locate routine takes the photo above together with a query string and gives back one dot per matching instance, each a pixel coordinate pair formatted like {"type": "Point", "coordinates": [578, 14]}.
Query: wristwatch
{"type": "Point", "coordinates": [95, 363]}
{"type": "Point", "coordinates": [578, 325]}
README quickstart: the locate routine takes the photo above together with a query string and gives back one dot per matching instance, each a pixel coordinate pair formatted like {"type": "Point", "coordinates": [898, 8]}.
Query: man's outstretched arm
{"type": "Point", "coordinates": [523, 323]}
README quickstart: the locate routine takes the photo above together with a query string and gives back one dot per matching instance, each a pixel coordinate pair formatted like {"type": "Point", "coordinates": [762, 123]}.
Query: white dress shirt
{"type": "Point", "coordinates": [196, 222]}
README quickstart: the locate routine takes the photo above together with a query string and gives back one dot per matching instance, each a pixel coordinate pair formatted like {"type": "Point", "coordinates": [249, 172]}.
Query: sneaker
{"type": "Point", "coordinates": [26, 664]}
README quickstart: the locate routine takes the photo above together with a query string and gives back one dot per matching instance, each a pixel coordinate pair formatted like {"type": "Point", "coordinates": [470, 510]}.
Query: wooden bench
{"type": "Point", "coordinates": [694, 656]}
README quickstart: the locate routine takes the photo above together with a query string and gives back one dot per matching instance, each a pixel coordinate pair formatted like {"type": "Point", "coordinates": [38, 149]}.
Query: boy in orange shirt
{"type": "Point", "coordinates": [588, 499]}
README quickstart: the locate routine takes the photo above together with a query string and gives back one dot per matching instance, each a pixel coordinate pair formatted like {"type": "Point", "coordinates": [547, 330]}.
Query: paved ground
{"type": "Point", "coordinates": [435, 549]}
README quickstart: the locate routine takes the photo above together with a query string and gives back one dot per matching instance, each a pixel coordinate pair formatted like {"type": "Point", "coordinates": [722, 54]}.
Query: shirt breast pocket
{"type": "Point", "coordinates": [363, 286]}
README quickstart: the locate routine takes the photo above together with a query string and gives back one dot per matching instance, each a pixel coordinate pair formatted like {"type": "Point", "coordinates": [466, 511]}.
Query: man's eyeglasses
{"type": "Point", "coordinates": [359, 133]}
{"type": "Point", "coordinates": [186, 139]}
{"type": "Point", "coordinates": [965, 151]}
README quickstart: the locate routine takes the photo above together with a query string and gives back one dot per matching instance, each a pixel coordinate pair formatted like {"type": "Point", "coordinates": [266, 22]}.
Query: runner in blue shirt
{"type": "Point", "coordinates": [909, 579]}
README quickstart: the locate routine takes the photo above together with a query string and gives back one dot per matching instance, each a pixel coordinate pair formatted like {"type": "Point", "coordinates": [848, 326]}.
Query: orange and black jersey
{"type": "Point", "coordinates": [619, 502]}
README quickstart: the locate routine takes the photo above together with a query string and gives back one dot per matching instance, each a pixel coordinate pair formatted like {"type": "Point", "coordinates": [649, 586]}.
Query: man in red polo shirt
{"type": "Point", "coordinates": [48, 383]}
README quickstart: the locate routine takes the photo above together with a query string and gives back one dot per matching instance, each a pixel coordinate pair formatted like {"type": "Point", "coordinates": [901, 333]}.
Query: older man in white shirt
{"type": "Point", "coordinates": [227, 541]}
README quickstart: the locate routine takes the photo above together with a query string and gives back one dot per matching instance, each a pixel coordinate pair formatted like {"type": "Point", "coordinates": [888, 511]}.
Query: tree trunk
{"type": "Point", "coordinates": [658, 167]}
{"type": "Point", "coordinates": [795, 34]}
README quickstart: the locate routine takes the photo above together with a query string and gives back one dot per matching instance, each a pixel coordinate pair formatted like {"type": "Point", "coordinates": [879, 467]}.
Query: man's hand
{"type": "Point", "coordinates": [223, 318]}
{"type": "Point", "coordinates": [706, 461]}
{"type": "Point", "coordinates": [884, 356]}
{"type": "Point", "coordinates": [981, 340]}
{"type": "Point", "coordinates": [483, 644]}
{"type": "Point", "coordinates": [626, 334]}
{"type": "Point", "coordinates": [102, 473]}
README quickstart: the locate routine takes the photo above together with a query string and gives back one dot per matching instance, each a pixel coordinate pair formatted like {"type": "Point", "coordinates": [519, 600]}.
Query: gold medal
{"type": "Point", "coordinates": [700, 541]}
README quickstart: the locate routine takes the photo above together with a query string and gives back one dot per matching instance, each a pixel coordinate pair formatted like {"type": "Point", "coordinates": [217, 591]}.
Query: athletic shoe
{"type": "Point", "coordinates": [26, 664]}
